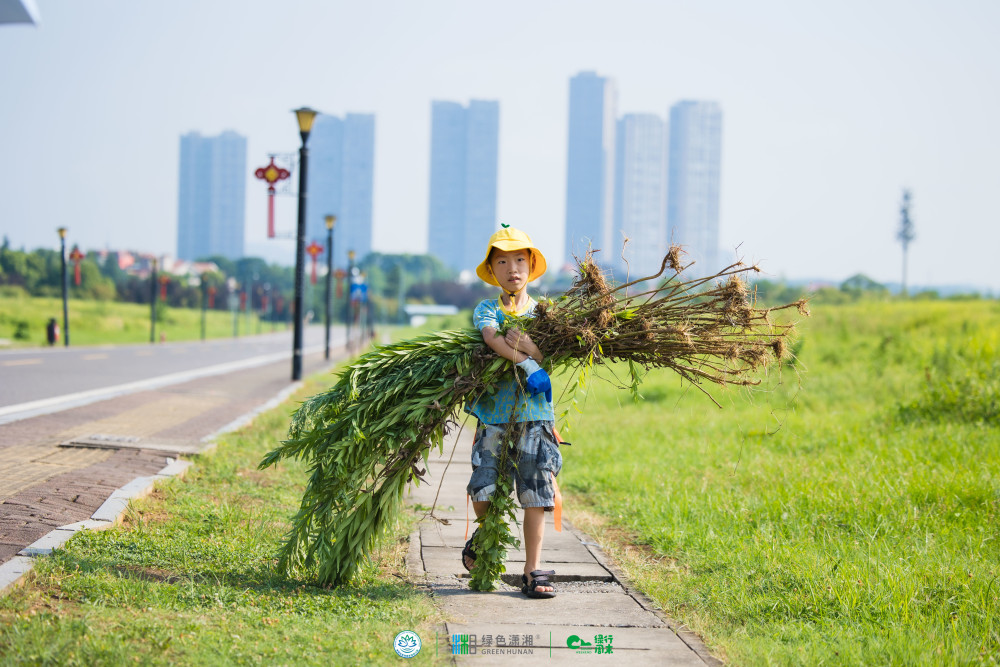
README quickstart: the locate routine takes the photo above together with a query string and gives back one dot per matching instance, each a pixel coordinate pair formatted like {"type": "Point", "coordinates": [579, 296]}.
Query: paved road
{"type": "Point", "coordinates": [42, 380]}
{"type": "Point", "coordinates": [58, 468]}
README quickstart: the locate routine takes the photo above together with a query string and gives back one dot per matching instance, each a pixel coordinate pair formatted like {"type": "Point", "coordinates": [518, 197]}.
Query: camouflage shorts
{"type": "Point", "coordinates": [536, 461]}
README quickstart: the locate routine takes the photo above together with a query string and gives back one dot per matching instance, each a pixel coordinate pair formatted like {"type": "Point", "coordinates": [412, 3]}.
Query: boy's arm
{"type": "Point", "coordinates": [520, 341]}
{"type": "Point", "coordinates": [537, 380]}
{"type": "Point", "coordinates": [499, 345]}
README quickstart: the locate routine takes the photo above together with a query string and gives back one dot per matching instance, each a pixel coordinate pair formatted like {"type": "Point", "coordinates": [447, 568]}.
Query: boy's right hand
{"type": "Point", "coordinates": [538, 380]}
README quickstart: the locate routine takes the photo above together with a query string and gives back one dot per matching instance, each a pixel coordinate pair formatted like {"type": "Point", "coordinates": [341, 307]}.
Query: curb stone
{"type": "Point", "coordinates": [13, 572]}
{"type": "Point", "coordinates": [417, 575]}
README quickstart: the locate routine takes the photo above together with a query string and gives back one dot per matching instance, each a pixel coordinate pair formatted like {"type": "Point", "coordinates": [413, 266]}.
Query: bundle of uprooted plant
{"type": "Point", "coordinates": [366, 437]}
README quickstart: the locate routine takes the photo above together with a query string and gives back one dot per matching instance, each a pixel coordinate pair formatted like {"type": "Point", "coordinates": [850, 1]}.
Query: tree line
{"type": "Point", "coordinates": [249, 282]}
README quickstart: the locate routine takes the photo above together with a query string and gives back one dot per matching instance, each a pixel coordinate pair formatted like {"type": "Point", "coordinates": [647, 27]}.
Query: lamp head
{"type": "Point", "coordinates": [350, 255]}
{"type": "Point", "coordinates": [305, 116]}
{"type": "Point", "coordinates": [331, 220]}
{"type": "Point", "coordinates": [62, 232]}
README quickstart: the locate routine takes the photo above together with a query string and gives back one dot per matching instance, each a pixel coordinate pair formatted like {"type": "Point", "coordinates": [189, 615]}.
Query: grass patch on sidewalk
{"type": "Point", "coordinates": [848, 516]}
{"type": "Point", "coordinates": [189, 579]}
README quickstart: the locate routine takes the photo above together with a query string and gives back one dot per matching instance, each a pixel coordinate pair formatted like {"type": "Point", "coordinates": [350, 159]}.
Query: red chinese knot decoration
{"type": "Point", "coordinates": [340, 274]}
{"type": "Point", "coordinates": [76, 257]}
{"type": "Point", "coordinates": [315, 250]}
{"type": "Point", "coordinates": [271, 174]}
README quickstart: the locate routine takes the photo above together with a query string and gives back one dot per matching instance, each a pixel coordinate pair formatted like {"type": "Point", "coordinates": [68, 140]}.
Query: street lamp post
{"type": "Point", "coordinates": [234, 304]}
{"type": "Point", "coordinates": [350, 302]}
{"type": "Point", "coordinates": [152, 303]}
{"type": "Point", "coordinates": [249, 304]}
{"type": "Point", "coordinates": [267, 307]}
{"type": "Point", "coordinates": [305, 117]}
{"type": "Point", "coordinates": [204, 305]}
{"type": "Point", "coordinates": [65, 285]}
{"type": "Point", "coordinates": [331, 220]}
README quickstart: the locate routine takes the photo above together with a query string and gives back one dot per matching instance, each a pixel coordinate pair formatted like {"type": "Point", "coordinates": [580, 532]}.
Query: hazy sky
{"type": "Point", "coordinates": [829, 110]}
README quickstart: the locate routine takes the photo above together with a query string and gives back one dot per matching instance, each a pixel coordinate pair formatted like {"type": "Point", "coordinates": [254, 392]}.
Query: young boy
{"type": "Point", "coordinates": [512, 261]}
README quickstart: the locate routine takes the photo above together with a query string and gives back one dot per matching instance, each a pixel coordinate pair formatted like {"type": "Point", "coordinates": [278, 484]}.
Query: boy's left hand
{"type": "Point", "coordinates": [522, 342]}
{"type": "Point", "coordinates": [538, 381]}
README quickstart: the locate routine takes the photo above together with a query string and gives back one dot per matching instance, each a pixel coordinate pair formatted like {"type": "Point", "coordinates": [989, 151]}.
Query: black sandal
{"type": "Point", "coordinates": [469, 552]}
{"type": "Point", "coordinates": [538, 578]}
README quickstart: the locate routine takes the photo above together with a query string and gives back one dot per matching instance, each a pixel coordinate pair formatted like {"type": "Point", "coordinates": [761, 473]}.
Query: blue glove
{"type": "Point", "coordinates": [538, 380]}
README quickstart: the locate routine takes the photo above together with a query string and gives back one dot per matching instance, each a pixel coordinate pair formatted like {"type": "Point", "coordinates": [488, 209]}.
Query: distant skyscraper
{"type": "Point", "coordinates": [641, 193]}
{"type": "Point", "coordinates": [341, 177]}
{"type": "Point", "coordinates": [463, 187]}
{"type": "Point", "coordinates": [590, 168]}
{"type": "Point", "coordinates": [693, 181]}
{"type": "Point", "coordinates": [211, 196]}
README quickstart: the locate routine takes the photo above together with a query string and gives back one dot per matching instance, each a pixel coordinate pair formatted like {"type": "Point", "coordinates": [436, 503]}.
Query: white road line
{"type": "Point", "coordinates": [93, 357]}
{"type": "Point", "coordinates": [22, 362]}
{"type": "Point", "coordinates": [11, 413]}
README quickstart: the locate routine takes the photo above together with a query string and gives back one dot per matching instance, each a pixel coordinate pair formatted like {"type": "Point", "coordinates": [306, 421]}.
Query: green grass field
{"type": "Point", "coordinates": [189, 579]}
{"type": "Point", "coordinates": [23, 320]}
{"type": "Point", "coordinates": [845, 514]}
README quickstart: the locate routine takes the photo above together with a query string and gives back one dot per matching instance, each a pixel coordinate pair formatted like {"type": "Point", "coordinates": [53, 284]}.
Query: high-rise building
{"type": "Point", "coordinates": [640, 194]}
{"type": "Point", "coordinates": [695, 155]}
{"type": "Point", "coordinates": [590, 168]}
{"type": "Point", "coordinates": [340, 182]}
{"type": "Point", "coordinates": [211, 196]}
{"type": "Point", "coordinates": [463, 183]}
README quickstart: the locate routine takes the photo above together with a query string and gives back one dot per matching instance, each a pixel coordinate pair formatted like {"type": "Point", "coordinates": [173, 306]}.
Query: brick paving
{"type": "Point", "coordinates": [43, 485]}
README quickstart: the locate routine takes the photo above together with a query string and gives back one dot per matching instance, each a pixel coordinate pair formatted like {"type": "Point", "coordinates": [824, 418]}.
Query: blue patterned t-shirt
{"type": "Point", "coordinates": [496, 409]}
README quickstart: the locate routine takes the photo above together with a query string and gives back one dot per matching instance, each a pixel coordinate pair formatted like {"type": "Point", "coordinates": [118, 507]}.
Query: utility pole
{"type": "Point", "coordinates": [906, 232]}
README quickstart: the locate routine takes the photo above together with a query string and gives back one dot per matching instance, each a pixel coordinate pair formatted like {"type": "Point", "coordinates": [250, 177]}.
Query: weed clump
{"type": "Point", "coordinates": [365, 437]}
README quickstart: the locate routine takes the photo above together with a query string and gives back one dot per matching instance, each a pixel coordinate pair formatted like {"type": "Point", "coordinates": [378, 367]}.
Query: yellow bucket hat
{"type": "Point", "coordinates": [508, 239]}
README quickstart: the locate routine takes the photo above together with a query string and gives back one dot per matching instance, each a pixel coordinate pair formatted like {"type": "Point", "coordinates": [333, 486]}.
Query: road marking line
{"type": "Point", "coordinates": [22, 362]}
{"type": "Point", "coordinates": [94, 357]}
{"type": "Point", "coordinates": [11, 413]}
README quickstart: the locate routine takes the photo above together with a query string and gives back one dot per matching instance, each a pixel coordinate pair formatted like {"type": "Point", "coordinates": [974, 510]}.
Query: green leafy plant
{"type": "Point", "coordinates": [365, 437]}
{"type": "Point", "coordinates": [493, 537]}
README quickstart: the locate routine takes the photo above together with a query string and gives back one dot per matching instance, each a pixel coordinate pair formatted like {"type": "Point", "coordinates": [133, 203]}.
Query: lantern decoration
{"type": "Point", "coordinates": [263, 303]}
{"type": "Point", "coordinates": [164, 281]}
{"type": "Point", "coordinates": [340, 274]}
{"type": "Point", "coordinates": [211, 296]}
{"type": "Point", "coordinates": [76, 257]}
{"type": "Point", "coordinates": [279, 304]}
{"type": "Point", "coordinates": [243, 300]}
{"type": "Point", "coordinates": [271, 174]}
{"type": "Point", "coordinates": [315, 250]}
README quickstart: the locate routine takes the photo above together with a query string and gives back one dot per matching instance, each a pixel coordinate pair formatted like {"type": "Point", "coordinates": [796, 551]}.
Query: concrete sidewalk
{"type": "Point", "coordinates": [595, 607]}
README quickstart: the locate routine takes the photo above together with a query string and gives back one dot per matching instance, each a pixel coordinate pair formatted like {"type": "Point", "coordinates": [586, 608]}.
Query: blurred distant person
{"type": "Point", "coordinates": [52, 331]}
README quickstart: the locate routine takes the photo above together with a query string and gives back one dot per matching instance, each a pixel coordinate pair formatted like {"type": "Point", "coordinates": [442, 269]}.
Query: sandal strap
{"type": "Point", "coordinates": [540, 578]}
{"type": "Point", "coordinates": [542, 573]}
